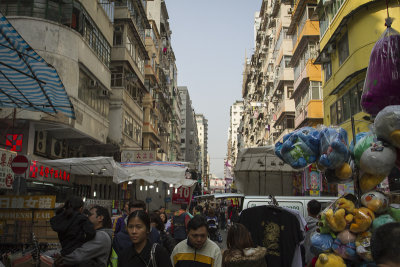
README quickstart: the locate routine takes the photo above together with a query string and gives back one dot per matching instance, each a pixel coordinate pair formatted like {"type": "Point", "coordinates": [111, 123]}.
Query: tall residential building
{"type": "Point", "coordinates": [202, 131]}
{"type": "Point", "coordinates": [307, 92]}
{"type": "Point", "coordinates": [348, 32]}
{"type": "Point", "coordinates": [257, 21]}
{"type": "Point", "coordinates": [236, 112]}
{"type": "Point", "coordinates": [190, 148]}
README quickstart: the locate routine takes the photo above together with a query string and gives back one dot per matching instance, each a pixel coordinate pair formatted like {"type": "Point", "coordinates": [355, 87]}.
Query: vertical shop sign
{"type": "Point", "coordinates": [6, 173]}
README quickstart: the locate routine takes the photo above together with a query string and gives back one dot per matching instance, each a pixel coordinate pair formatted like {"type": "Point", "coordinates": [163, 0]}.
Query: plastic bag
{"type": "Point", "coordinates": [387, 124]}
{"type": "Point", "coordinates": [334, 148]}
{"type": "Point", "coordinates": [382, 83]}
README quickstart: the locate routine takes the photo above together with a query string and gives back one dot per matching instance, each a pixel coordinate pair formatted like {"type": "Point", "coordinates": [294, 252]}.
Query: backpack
{"type": "Point", "coordinates": [167, 242]}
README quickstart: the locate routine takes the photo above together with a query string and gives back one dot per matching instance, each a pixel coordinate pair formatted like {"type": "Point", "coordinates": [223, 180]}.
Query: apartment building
{"type": "Point", "coordinates": [202, 132]}
{"type": "Point", "coordinates": [235, 114]}
{"type": "Point", "coordinates": [307, 89]}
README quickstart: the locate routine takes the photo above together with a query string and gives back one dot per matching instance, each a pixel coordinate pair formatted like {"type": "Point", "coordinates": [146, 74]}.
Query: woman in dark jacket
{"type": "Point", "coordinates": [240, 252]}
{"type": "Point", "coordinates": [142, 253]}
{"type": "Point", "coordinates": [73, 228]}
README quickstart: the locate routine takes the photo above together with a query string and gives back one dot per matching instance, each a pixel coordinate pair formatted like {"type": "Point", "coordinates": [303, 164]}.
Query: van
{"type": "Point", "coordinates": [296, 203]}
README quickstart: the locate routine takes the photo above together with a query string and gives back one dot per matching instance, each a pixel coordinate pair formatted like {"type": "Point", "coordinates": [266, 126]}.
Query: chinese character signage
{"type": "Point", "coordinates": [14, 142]}
{"type": "Point", "coordinates": [182, 195]}
{"type": "Point", "coordinates": [6, 174]}
{"type": "Point", "coordinates": [41, 172]}
{"type": "Point", "coordinates": [138, 155]}
{"type": "Point", "coordinates": [14, 207]}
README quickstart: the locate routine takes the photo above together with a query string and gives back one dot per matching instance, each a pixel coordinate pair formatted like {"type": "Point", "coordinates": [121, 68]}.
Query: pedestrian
{"type": "Point", "coordinates": [122, 240]}
{"type": "Point", "coordinates": [166, 240]}
{"type": "Point", "coordinates": [179, 224]}
{"type": "Point", "coordinates": [120, 221]}
{"type": "Point", "coordinates": [198, 210]}
{"type": "Point", "coordinates": [385, 245]}
{"type": "Point", "coordinates": [241, 251]}
{"type": "Point", "coordinates": [73, 228]}
{"type": "Point", "coordinates": [197, 249]}
{"type": "Point", "coordinates": [162, 209]}
{"type": "Point", "coordinates": [212, 222]}
{"type": "Point", "coordinates": [222, 218]}
{"type": "Point", "coordinates": [313, 209]}
{"type": "Point", "coordinates": [142, 253]}
{"type": "Point", "coordinates": [95, 252]}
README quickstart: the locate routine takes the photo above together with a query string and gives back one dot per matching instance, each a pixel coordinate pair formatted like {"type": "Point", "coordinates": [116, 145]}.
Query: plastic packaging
{"type": "Point", "coordinates": [321, 243]}
{"type": "Point", "coordinates": [387, 124]}
{"type": "Point", "coordinates": [375, 201]}
{"type": "Point", "coordinates": [363, 246]}
{"type": "Point", "coordinates": [382, 83]}
{"type": "Point", "coordinates": [334, 148]}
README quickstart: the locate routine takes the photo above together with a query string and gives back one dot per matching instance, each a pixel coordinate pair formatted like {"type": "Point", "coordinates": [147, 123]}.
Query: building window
{"type": "Point", "coordinates": [327, 70]}
{"type": "Point", "coordinates": [128, 125]}
{"type": "Point", "coordinates": [346, 106]}
{"type": "Point", "coordinates": [333, 114]}
{"type": "Point", "coordinates": [289, 92]}
{"type": "Point", "coordinates": [118, 35]}
{"type": "Point", "coordinates": [343, 49]}
{"type": "Point", "coordinates": [316, 90]}
{"type": "Point", "coordinates": [182, 140]}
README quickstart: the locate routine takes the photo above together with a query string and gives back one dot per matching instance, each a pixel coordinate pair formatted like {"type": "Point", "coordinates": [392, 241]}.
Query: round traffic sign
{"type": "Point", "coordinates": [19, 164]}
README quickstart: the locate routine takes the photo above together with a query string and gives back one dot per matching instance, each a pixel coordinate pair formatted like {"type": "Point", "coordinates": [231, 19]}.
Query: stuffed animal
{"type": "Point", "coordinates": [329, 260]}
{"type": "Point", "coordinates": [299, 148]}
{"type": "Point", "coordinates": [344, 245]}
{"type": "Point", "coordinates": [375, 159]}
{"type": "Point", "coordinates": [323, 227]}
{"type": "Point", "coordinates": [336, 221]}
{"type": "Point", "coordinates": [394, 211]}
{"type": "Point", "coordinates": [320, 243]}
{"type": "Point", "coordinates": [387, 125]}
{"type": "Point", "coordinates": [381, 220]}
{"type": "Point", "coordinates": [375, 201]}
{"type": "Point", "coordinates": [334, 151]}
{"type": "Point", "coordinates": [363, 218]}
{"type": "Point", "coordinates": [363, 246]}
{"type": "Point", "coordinates": [345, 204]}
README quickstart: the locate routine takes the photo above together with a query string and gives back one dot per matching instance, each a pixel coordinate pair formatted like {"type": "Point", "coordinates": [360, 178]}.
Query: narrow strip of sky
{"type": "Point", "coordinates": [209, 39]}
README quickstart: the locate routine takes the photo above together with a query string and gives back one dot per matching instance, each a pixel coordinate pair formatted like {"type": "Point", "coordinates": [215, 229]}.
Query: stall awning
{"type": "Point", "coordinates": [165, 171]}
{"type": "Point", "coordinates": [27, 81]}
{"type": "Point", "coordinates": [260, 159]}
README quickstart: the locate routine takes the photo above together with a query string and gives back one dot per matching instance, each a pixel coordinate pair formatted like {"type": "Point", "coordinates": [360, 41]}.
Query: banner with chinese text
{"type": "Point", "coordinates": [6, 174]}
{"type": "Point", "coordinates": [17, 207]}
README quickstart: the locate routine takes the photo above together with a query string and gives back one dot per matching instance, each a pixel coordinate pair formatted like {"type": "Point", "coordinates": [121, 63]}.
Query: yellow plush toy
{"type": "Point", "coordinates": [329, 260]}
{"type": "Point", "coordinates": [369, 181]}
{"type": "Point", "coordinates": [336, 221]}
{"type": "Point", "coordinates": [363, 218]}
{"type": "Point", "coordinates": [345, 204]}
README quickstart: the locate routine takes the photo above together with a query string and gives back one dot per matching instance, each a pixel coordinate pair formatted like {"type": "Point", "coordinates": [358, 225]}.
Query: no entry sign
{"type": "Point", "coordinates": [19, 164]}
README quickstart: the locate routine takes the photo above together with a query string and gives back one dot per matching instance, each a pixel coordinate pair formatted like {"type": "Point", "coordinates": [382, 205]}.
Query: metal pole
{"type": "Point", "coordinates": [357, 188]}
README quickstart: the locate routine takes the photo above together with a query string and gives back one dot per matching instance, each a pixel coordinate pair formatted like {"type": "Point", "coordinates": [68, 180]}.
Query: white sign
{"type": "Point", "coordinates": [6, 173]}
{"type": "Point", "coordinates": [138, 155]}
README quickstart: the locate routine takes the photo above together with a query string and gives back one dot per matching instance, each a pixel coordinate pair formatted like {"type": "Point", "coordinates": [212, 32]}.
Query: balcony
{"type": "Point", "coordinates": [312, 111]}
{"type": "Point", "coordinates": [121, 53]}
{"type": "Point", "coordinates": [286, 105]}
{"type": "Point", "coordinates": [311, 72]}
{"type": "Point", "coordinates": [310, 28]}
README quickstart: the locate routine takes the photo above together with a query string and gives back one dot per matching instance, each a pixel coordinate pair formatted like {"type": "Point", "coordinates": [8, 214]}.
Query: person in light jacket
{"type": "Point", "coordinates": [241, 252]}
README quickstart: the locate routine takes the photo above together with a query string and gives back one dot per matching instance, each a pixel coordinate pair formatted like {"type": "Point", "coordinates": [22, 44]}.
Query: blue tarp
{"type": "Point", "coordinates": [27, 81]}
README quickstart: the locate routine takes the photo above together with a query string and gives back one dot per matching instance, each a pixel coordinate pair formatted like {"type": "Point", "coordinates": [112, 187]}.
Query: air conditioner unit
{"type": "Point", "coordinates": [40, 146]}
{"type": "Point", "coordinates": [325, 57]}
{"type": "Point", "coordinates": [92, 84]}
{"type": "Point", "coordinates": [59, 148]}
{"type": "Point", "coordinates": [104, 93]}
{"type": "Point", "coordinates": [331, 48]}
{"type": "Point", "coordinates": [289, 11]}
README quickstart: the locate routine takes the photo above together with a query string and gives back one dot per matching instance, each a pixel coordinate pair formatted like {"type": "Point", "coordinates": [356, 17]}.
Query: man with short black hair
{"type": "Point", "coordinates": [95, 252]}
{"type": "Point", "coordinates": [385, 245]}
{"type": "Point", "coordinates": [197, 248]}
{"type": "Point", "coordinates": [313, 209]}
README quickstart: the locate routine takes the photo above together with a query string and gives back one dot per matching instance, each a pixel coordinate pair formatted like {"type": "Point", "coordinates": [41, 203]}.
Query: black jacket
{"type": "Point", "coordinates": [129, 257]}
{"type": "Point", "coordinates": [72, 231]}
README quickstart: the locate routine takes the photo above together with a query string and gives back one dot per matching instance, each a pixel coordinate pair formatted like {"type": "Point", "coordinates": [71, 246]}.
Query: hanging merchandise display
{"type": "Point", "coordinates": [387, 125]}
{"type": "Point", "coordinates": [382, 83]}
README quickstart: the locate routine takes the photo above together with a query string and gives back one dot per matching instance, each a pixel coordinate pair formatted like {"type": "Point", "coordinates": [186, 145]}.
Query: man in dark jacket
{"type": "Point", "coordinates": [95, 252]}
{"type": "Point", "coordinates": [313, 209]}
{"type": "Point", "coordinates": [120, 223]}
{"type": "Point", "coordinates": [122, 239]}
{"type": "Point", "coordinates": [179, 224]}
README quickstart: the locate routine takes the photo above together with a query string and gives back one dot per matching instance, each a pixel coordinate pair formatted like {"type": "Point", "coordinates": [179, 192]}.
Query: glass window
{"type": "Point", "coordinates": [339, 106]}
{"type": "Point", "coordinates": [343, 49]}
{"type": "Point", "coordinates": [327, 70]}
{"type": "Point", "coordinates": [287, 61]}
{"type": "Point", "coordinates": [346, 106]}
{"type": "Point", "coordinates": [316, 90]}
{"type": "Point", "coordinates": [334, 120]}
{"type": "Point", "coordinates": [289, 92]}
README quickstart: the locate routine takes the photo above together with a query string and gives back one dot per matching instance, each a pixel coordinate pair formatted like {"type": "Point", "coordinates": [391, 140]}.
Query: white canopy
{"type": "Point", "coordinates": [165, 171]}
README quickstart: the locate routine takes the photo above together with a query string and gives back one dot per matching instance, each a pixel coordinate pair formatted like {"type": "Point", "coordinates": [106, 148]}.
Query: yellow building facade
{"type": "Point", "coordinates": [349, 29]}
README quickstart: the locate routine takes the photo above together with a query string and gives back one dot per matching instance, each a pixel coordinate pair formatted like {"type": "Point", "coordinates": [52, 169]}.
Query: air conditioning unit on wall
{"type": "Point", "coordinates": [40, 142]}
{"type": "Point", "coordinates": [59, 149]}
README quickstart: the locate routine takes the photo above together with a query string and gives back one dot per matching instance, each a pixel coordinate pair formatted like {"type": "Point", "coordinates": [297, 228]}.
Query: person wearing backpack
{"type": "Point", "coordinates": [142, 253]}
{"type": "Point", "coordinates": [179, 224]}
{"type": "Point", "coordinates": [165, 239]}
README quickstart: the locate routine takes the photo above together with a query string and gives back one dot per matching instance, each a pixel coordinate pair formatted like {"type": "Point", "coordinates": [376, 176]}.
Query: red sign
{"type": "Point", "coordinates": [19, 164]}
{"type": "Point", "coordinates": [182, 195]}
{"type": "Point", "coordinates": [14, 142]}
{"type": "Point", "coordinates": [40, 171]}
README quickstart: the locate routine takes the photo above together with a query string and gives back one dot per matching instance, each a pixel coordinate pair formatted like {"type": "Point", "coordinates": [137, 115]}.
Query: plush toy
{"type": "Point", "coordinates": [381, 220]}
{"type": "Point", "coordinates": [334, 151]}
{"type": "Point", "coordinates": [383, 75]}
{"type": "Point", "coordinates": [363, 218]}
{"type": "Point", "coordinates": [363, 246]}
{"type": "Point", "coordinates": [375, 159]}
{"type": "Point", "coordinates": [336, 221]}
{"type": "Point", "coordinates": [329, 260]}
{"type": "Point", "coordinates": [344, 245]}
{"type": "Point", "coordinates": [320, 243]}
{"type": "Point", "coordinates": [299, 148]}
{"type": "Point", "coordinates": [323, 227]}
{"type": "Point", "coordinates": [387, 125]}
{"type": "Point", "coordinates": [394, 211]}
{"type": "Point", "coordinates": [375, 201]}
{"type": "Point", "coordinates": [345, 204]}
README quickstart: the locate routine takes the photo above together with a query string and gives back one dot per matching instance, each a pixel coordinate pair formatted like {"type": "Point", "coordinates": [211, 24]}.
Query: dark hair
{"type": "Point", "coordinates": [385, 244]}
{"type": "Point", "coordinates": [143, 216]}
{"type": "Point", "coordinates": [211, 212]}
{"type": "Point", "coordinates": [184, 206]}
{"type": "Point", "coordinates": [314, 207]}
{"type": "Point", "coordinates": [86, 212]}
{"type": "Point", "coordinates": [196, 222]}
{"type": "Point", "coordinates": [101, 211]}
{"type": "Point", "coordinates": [72, 204]}
{"type": "Point", "coordinates": [155, 218]}
{"type": "Point", "coordinates": [137, 204]}
{"type": "Point", "coordinates": [238, 237]}
{"type": "Point", "coordinates": [199, 208]}
{"type": "Point", "coordinates": [166, 217]}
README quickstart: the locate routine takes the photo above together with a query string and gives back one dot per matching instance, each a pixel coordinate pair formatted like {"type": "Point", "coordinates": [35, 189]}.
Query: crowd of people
{"type": "Point", "coordinates": [142, 238]}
